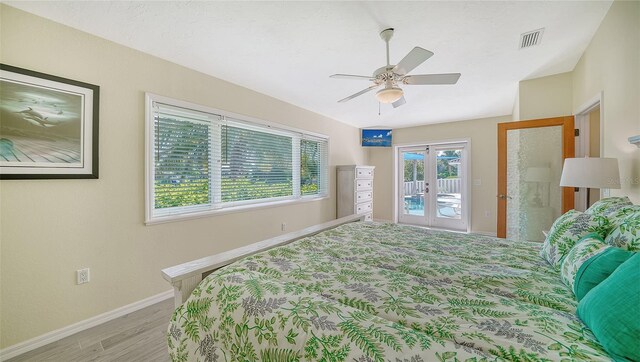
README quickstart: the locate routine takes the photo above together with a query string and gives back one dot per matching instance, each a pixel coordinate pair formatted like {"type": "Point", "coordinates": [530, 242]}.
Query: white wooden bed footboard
{"type": "Point", "coordinates": [185, 277]}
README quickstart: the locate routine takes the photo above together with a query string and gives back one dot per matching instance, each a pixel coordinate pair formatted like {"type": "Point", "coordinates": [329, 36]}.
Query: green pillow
{"type": "Point", "coordinates": [597, 268]}
{"type": "Point", "coordinates": [585, 249]}
{"type": "Point", "coordinates": [567, 230]}
{"type": "Point", "coordinates": [612, 311]}
{"type": "Point", "coordinates": [627, 233]}
{"type": "Point", "coordinates": [603, 207]}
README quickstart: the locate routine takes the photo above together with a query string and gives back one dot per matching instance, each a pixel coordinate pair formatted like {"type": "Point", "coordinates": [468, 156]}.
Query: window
{"type": "Point", "coordinates": [203, 161]}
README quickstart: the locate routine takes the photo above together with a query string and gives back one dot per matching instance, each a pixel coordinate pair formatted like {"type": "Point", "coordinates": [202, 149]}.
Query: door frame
{"type": "Point", "coordinates": [568, 151]}
{"type": "Point", "coordinates": [582, 119]}
{"type": "Point", "coordinates": [467, 184]}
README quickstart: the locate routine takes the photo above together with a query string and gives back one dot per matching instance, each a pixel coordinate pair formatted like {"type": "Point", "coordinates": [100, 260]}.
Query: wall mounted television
{"type": "Point", "coordinates": [376, 138]}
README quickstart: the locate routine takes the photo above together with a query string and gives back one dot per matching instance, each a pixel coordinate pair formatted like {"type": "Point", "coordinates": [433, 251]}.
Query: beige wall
{"type": "Point", "coordinates": [50, 228]}
{"type": "Point", "coordinates": [545, 97]}
{"type": "Point", "coordinates": [611, 64]}
{"type": "Point", "coordinates": [515, 113]}
{"type": "Point", "coordinates": [484, 166]}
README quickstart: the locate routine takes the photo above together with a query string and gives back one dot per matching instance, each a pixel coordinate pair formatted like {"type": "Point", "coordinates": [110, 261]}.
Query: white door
{"type": "Point", "coordinates": [432, 187]}
{"type": "Point", "coordinates": [412, 186]}
{"type": "Point", "coordinates": [448, 175]}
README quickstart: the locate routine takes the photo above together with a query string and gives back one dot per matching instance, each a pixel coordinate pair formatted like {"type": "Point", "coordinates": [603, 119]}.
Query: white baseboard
{"type": "Point", "coordinates": [487, 233]}
{"type": "Point", "coordinates": [33, 343]}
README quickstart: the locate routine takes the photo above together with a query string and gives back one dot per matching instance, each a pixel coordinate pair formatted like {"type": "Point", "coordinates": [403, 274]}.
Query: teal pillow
{"type": "Point", "coordinates": [597, 268]}
{"type": "Point", "coordinates": [612, 311]}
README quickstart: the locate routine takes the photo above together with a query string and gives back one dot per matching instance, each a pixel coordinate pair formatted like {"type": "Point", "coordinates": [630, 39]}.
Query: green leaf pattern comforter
{"type": "Point", "coordinates": [384, 292]}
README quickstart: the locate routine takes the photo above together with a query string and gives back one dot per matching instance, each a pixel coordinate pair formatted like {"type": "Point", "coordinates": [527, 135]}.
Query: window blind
{"type": "Point", "coordinates": [202, 161]}
{"type": "Point", "coordinates": [255, 165]}
{"type": "Point", "coordinates": [313, 167]}
{"type": "Point", "coordinates": [182, 158]}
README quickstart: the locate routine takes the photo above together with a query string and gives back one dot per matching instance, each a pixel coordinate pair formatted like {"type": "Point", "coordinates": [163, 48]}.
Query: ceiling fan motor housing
{"type": "Point", "coordinates": [387, 34]}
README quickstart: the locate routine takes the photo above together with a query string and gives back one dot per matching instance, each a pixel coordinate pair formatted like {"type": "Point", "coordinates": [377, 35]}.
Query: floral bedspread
{"type": "Point", "coordinates": [384, 292]}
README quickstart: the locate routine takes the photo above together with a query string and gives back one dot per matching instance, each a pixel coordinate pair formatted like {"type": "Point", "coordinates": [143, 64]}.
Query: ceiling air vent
{"type": "Point", "coordinates": [531, 38]}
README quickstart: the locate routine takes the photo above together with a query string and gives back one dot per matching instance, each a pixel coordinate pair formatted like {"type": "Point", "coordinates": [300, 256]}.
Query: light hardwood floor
{"type": "Point", "coordinates": [138, 336]}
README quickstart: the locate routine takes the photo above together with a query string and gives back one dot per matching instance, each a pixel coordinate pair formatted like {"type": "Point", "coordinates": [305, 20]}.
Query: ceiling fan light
{"type": "Point", "coordinates": [389, 95]}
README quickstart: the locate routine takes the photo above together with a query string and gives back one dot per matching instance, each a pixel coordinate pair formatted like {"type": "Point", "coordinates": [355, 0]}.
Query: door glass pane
{"type": "Point", "coordinates": [449, 183]}
{"type": "Point", "coordinates": [413, 188]}
{"type": "Point", "coordinates": [534, 167]}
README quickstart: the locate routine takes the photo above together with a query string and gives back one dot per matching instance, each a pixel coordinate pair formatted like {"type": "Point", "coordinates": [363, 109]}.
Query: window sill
{"type": "Point", "coordinates": [230, 210]}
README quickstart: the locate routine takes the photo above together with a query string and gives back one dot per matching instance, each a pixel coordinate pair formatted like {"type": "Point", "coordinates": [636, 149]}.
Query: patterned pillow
{"type": "Point", "coordinates": [567, 230]}
{"type": "Point", "coordinates": [587, 247]}
{"type": "Point", "coordinates": [617, 214]}
{"type": "Point", "coordinates": [626, 234]}
{"type": "Point", "coordinates": [603, 207]}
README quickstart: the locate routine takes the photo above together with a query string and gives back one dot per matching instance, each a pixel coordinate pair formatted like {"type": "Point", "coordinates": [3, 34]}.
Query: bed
{"type": "Point", "coordinates": [366, 291]}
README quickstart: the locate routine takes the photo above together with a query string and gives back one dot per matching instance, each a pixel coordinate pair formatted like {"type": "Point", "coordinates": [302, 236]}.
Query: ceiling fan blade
{"type": "Point", "coordinates": [358, 94]}
{"type": "Point", "coordinates": [399, 102]}
{"type": "Point", "coordinates": [351, 76]}
{"type": "Point", "coordinates": [415, 57]}
{"type": "Point", "coordinates": [432, 79]}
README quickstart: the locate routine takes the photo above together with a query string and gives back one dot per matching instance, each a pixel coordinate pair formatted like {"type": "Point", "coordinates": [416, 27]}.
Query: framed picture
{"type": "Point", "coordinates": [376, 138]}
{"type": "Point", "coordinates": [48, 126]}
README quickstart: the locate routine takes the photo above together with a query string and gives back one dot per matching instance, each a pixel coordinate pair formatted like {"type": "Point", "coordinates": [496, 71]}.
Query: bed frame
{"type": "Point", "coordinates": [185, 277]}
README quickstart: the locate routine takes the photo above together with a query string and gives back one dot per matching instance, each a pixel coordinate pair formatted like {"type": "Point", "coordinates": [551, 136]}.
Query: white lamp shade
{"type": "Point", "coordinates": [600, 173]}
{"type": "Point", "coordinates": [538, 174]}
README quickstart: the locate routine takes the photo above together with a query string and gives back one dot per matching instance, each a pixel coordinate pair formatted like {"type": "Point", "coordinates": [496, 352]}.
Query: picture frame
{"type": "Point", "coordinates": [376, 137]}
{"type": "Point", "coordinates": [48, 126]}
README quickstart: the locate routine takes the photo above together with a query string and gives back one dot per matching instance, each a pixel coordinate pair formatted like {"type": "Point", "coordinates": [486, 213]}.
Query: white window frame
{"type": "Point", "coordinates": [199, 211]}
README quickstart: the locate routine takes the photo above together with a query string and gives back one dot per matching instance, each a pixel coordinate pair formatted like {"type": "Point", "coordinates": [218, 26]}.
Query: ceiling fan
{"type": "Point", "coordinates": [390, 76]}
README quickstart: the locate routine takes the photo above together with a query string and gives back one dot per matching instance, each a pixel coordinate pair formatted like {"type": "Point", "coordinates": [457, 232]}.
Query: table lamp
{"type": "Point", "coordinates": [591, 172]}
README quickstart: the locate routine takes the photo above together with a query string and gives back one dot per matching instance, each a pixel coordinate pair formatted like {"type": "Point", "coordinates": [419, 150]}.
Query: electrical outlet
{"type": "Point", "coordinates": [82, 275]}
{"type": "Point", "coordinates": [477, 182]}
{"type": "Point", "coordinates": [487, 213]}
{"type": "Point", "coordinates": [284, 226]}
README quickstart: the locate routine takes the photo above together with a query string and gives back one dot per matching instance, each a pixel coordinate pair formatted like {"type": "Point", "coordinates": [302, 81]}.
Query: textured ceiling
{"type": "Point", "coordinates": [288, 49]}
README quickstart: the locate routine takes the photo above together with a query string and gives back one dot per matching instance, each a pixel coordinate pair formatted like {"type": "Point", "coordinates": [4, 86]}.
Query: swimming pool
{"type": "Point", "coordinates": [449, 205]}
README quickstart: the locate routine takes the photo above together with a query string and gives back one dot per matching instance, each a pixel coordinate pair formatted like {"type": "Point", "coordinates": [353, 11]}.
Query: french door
{"type": "Point", "coordinates": [432, 185]}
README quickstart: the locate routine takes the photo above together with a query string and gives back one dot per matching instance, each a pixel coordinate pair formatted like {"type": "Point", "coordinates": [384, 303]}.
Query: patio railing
{"type": "Point", "coordinates": [445, 185]}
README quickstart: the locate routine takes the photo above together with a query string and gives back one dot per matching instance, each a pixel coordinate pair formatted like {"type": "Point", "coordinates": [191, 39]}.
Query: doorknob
{"type": "Point", "coordinates": [504, 197]}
